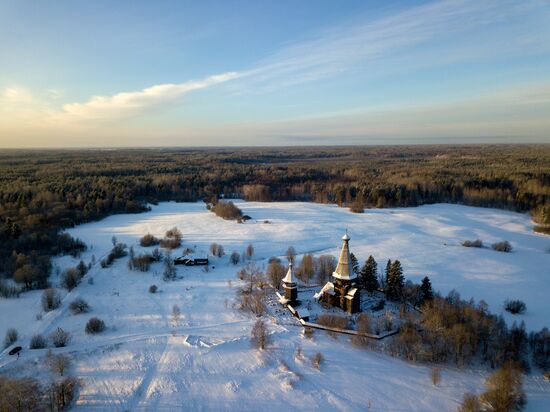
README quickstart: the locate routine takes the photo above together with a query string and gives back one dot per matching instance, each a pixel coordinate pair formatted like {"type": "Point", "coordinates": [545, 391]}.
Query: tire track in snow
{"type": "Point", "coordinates": [137, 399]}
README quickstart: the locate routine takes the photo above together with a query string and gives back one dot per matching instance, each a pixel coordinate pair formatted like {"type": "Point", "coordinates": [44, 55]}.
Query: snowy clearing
{"type": "Point", "coordinates": [147, 361]}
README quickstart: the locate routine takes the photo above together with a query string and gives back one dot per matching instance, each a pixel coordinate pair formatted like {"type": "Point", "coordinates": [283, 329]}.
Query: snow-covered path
{"type": "Point", "coordinates": [146, 362]}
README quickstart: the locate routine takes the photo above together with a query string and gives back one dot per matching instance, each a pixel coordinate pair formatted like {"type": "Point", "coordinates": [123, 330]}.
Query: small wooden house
{"type": "Point", "coordinates": [182, 260]}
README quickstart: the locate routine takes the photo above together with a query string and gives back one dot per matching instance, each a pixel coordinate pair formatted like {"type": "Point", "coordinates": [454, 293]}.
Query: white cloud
{"type": "Point", "coordinates": [16, 95]}
{"type": "Point", "coordinates": [133, 103]}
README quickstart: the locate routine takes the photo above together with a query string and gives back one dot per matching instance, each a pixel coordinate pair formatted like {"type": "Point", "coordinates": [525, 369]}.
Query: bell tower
{"type": "Point", "coordinates": [290, 286]}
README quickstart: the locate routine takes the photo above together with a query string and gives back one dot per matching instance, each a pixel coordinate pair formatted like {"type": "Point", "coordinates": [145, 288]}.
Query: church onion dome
{"type": "Point", "coordinates": [289, 278]}
{"type": "Point", "coordinates": [344, 270]}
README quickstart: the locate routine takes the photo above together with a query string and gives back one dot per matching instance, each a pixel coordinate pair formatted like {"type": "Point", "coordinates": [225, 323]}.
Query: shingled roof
{"type": "Point", "coordinates": [289, 278]}
{"type": "Point", "coordinates": [344, 269]}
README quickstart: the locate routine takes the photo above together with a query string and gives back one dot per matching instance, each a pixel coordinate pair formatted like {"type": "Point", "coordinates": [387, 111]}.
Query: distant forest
{"type": "Point", "coordinates": [44, 192]}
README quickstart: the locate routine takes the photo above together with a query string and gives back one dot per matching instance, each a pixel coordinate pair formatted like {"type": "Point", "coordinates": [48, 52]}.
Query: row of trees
{"type": "Point", "coordinates": [451, 329]}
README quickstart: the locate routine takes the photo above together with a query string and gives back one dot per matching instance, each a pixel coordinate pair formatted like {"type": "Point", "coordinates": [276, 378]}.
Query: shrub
{"type": "Point", "coordinates": [153, 289]}
{"type": "Point", "coordinates": [140, 262]}
{"type": "Point", "coordinates": [504, 246]}
{"type": "Point", "coordinates": [216, 250]}
{"type": "Point", "coordinates": [505, 389]}
{"type": "Point", "coordinates": [50, 299]}
{"type": "Point", "coordinates": [259, 335]}
{"type": "Point", "coordinates": [78, 306]}
{"type": "Point", "coordinates": [333, 321]}
{"type": "Point", "coordinates": [70, 278]}
{"type": "Point", "coordinates": [472, 243]}
{"type": "Point", "coordinates": [37, 342]}
{"type": "Point", "coordinates": [547, 375]}
{"type": "Point", "coordinates": [60, 338]}
{"type": "Point", "coordinates": [174, 233]}
{"type": "Point", "coordinates": [317, 360]}
{"type": "Point", "coordinates": [95, 325]}
{"type": "Point", "coordinates": [357, 206]}
{"type": "Point", "coordinates": [235, 258]}
{"type": "Point", "coordinates": [226, 210]}
{"type": "Point", "coordinates": [82, 268]}
{"type": "Point", "coordinates": [118, 251]}
{"type": "Point", "coordinates": [11, 337]}
{"type": "Point", "coordinates": [514, 306]}
{"type": "Point", "coordinates": [8, 290]}
{"type": "Point", "coordinates": [470, 403]}
{"type": "Point", "coordinates": [148, 240]}
{"type": "Point", "coordinates": [170, 243]}
{"type": "Point", "coordinates": [363, 326]}
{"type": "Point", "coordinates": [172, 239]}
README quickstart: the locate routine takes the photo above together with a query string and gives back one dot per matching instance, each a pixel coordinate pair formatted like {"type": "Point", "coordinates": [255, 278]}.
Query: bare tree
{"type": "Point", "coordinates": [176, 314]}
{"type": "Point", "coordinates": [306, 269]}
{"type": "Point", "coordinates": [169, 268]}
{"type": "Point", "coordinates": [11, 337]}
{"type": "Point", "coordinates": [259, 335]}
{"type": "Point", "coordinates": [59, 363]}
{"type": "Point", "coordinates": [317, 360]}
{"type": "Point", "coordinates": [275, 273]}
{"type": "Point", "coordinates": [291, 254]}
{"type": "Point", "coordinates": [325, 266]}
{"type": "Point", "coordinates": [249, 251]}
{"type": "Point", "coordinates": [435, 375]}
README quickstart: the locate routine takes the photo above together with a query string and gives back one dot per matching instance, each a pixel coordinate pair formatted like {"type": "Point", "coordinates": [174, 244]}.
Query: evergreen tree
{"type": "Point", "coordinates": [354, 263]}
{"type": "Point", "coordinates": [426, 292]}
{"type": "Point", "coordinates": [388, 268]}
{"type": "Point", "coordinates": [369, 281]}
{"type": "Point", "coordinates": [395, 281]}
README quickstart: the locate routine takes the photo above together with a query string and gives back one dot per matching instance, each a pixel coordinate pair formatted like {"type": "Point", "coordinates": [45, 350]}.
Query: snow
{"type": "Point", "coordinates": [147, 361]}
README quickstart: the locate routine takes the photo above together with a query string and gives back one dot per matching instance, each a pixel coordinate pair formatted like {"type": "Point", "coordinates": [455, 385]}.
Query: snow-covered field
{"type": "Point", "coordinates": [145, 361]}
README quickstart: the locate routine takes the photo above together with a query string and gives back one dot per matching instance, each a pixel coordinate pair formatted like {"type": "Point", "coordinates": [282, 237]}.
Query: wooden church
{"type": "Point", "coordinates": [342, 291]}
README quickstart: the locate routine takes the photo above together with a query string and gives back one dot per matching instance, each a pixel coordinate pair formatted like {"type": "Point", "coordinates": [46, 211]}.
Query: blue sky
{"type": "Point", "coordinates": [231, 73]}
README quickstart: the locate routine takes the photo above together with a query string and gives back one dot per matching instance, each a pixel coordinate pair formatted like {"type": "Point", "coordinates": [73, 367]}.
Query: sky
{"type": "Point", "coordinates": [262, 73]}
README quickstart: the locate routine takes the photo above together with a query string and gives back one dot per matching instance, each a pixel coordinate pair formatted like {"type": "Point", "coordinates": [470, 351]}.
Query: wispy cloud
{"type": "Point", "coordinates": [368, 43]}
{"type": "Point", "coordinates": [133, 103]}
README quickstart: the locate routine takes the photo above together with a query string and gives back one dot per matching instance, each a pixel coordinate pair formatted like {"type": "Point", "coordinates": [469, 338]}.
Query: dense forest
{"type": "Point", "coordinates": [44, 192]}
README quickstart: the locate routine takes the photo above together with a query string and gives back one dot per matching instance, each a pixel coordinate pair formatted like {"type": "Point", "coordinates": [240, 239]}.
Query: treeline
{"type": "Point", "coordinates": [44, 192]}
